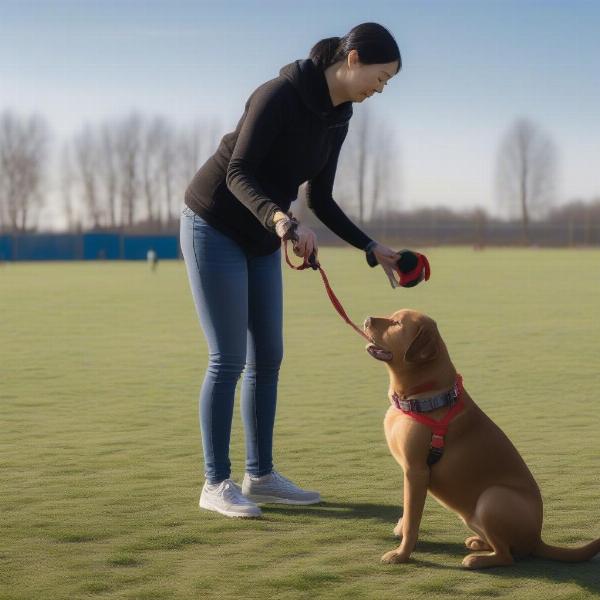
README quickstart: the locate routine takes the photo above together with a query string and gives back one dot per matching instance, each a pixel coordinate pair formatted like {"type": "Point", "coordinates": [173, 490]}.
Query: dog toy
{"type": "Point", "coordinates": [412, 267]}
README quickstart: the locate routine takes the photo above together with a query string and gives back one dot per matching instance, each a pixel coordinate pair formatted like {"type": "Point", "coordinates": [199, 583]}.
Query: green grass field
{"type": "Point", "coordinates": [100, 453]}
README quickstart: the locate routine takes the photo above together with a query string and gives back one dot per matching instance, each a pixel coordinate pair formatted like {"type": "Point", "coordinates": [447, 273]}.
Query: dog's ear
{"type": "Point", "coordinates": [424, 347]}
{"type": "Point", "coordinates": [379, 353]}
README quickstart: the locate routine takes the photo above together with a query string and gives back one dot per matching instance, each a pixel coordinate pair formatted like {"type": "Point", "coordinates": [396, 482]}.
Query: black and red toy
{"type": "Point", "coordinates": [412, 267]}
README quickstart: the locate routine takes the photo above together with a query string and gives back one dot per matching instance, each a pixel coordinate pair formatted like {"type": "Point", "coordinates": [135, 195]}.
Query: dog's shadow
{"type": "Point", "coordinates": [586, 574]}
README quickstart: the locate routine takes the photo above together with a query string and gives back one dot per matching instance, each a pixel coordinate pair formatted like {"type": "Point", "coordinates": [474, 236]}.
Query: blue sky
{"type": "Point", "coordinates": [469, 69]}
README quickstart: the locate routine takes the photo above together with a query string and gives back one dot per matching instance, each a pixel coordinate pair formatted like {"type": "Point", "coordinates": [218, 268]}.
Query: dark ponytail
{"type": "Point", "coordinates": [324, 53]}
{"type": "Point", "coordinates": [373, 42]}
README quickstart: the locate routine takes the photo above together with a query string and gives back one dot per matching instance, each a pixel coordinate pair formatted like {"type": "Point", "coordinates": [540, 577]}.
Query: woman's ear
{"type": "Point", "coordinates": [353, 59]}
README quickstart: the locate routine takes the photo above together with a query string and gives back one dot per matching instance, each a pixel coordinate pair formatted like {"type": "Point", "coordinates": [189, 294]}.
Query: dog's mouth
{"type": "Point", "coordinates": [379, 352]}
{"type": "Point", "coordinates": [373, 348]}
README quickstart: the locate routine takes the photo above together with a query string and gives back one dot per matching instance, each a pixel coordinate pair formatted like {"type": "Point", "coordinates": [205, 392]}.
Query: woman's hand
{"type": "Point", "coordinates": [306, 243]}
{"type": "Point", "coordinates": [387, 258]}
{"type": "Point", "coordinates": [303, 238]}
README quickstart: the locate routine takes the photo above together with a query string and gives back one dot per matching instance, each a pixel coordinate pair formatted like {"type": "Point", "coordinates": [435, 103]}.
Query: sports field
{"type": "Point", "coordinates": [101, 468]}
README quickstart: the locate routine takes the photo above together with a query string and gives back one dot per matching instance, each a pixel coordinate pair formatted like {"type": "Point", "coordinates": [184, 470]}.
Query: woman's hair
{"type": "Point", "coordinates": [373, 42]}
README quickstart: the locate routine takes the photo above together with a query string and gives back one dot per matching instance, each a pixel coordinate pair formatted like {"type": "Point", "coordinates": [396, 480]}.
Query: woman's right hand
{"type": "Point", "coordinates": [387, 258]}
{"type": "Point", "coordinates": [303, 238]}
{"type": "Point", "coordinates": [306, 244]}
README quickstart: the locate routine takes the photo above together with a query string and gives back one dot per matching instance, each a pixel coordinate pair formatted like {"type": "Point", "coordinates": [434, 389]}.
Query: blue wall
{"type": "Point", "coordinates": [87, 246]}
{"type": "Point", "coordinates": [6, 249]}
{"type": "Point", "coordinates": [46, 247]}
{"type": "Point", "coordinates": [135, 247]}
{"type": "Point", "coordinates": [101, 245]}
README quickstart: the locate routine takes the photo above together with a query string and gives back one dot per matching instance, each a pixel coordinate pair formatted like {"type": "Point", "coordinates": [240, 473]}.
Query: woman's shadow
{"type": "Point", "coordinates": [585, 574]}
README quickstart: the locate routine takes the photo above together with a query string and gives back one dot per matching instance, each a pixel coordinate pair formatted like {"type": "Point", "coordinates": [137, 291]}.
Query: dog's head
{"type": "Point", "coordinates": [407, 341]}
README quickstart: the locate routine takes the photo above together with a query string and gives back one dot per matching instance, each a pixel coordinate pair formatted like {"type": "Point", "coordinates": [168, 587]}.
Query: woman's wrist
{"type": "Point", "coordinates": [370, 246]}
{"type": "Point", "coordinates": [370, 256]}
{"type": "Point", "coordinates": [278, 215]}
{"type": "Point", "coordinates": [285, 227]}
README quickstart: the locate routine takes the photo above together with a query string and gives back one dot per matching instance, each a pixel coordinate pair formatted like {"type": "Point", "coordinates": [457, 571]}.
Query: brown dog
{"type": "Point", "coordinates": [480, 474]}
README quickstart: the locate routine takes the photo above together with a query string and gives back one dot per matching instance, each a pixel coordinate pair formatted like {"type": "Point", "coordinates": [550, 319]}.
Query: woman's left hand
{"type": "Point", "coordinates": [387, 258]}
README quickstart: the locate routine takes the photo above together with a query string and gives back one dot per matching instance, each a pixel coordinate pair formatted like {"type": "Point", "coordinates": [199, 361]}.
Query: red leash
{"type": "Point", "coordinates": [334, 300]}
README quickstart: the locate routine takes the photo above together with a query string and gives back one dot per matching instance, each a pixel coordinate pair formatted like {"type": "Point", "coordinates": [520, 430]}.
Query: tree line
{"type": "Point", "coordinates": [131, 173]}
{"type": "Point", "coordinates": [119, 174]}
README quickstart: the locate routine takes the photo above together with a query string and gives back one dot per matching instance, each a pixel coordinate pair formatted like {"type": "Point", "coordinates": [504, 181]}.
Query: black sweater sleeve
{"type": "Point", "coordinates": [319, 193]}
{"type": "Point", "coordinates": [262, 122]}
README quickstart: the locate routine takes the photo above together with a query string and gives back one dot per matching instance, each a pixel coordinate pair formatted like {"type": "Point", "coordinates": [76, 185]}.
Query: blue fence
{"type": "Point", "coordinates": [87, 246]}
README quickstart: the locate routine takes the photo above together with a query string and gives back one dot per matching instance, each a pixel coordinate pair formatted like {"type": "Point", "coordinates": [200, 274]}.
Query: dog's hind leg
{"type": "Point", "coordinates": [510, 521]}
{"type": "Point", "coordinates": [498, 554]}
{"type": "Point", "coordinates": [493, 559]}
{"type": "Point", "coordinates": [475, 542]}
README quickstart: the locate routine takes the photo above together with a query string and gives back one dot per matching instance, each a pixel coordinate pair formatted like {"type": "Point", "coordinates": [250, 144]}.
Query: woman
{"type": "Point", "coordinates": [231, 228]}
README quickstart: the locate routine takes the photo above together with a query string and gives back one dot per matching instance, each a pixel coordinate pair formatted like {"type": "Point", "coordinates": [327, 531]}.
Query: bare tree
{"type": "Point", "coordinates": [107, 170]}
{"type": "Point", "coordinates": [68, 181]}
{"type": "Point", "coordinates": [196, 144]}
{"type": "Point", "coordinates": [23, 145]}
{"type": "Point", "coordinates": [526, 171]}
{"type": "Point", "coordinates": [171, 199]}
{"type": "Point", "coordinates": [366, 178]}
{"type": "Point", "coordinates": [384, 173]}
{"type": "Point", "coordinates": [127, 153]}
{"type": "Point", "coordinates": [135, 169]}
{"type": "Point", "coordinates": [87, 160]}
{"type": "Point", "coordinates": [152, 140]}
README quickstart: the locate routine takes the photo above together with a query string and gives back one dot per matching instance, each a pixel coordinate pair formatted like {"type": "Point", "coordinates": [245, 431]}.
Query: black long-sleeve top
{"type": "Point", "coordinates": [290, 133]}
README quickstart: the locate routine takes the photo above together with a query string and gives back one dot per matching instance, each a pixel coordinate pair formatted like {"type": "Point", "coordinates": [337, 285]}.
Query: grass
{"type": "Point", "coordinates": [100, 453]}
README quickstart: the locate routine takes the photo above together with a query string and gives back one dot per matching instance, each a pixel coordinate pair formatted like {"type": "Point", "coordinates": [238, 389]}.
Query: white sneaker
{"type": "Point", "coordinates": [276, 489]}
{"type": "Point", "coordinates": [227, 498]}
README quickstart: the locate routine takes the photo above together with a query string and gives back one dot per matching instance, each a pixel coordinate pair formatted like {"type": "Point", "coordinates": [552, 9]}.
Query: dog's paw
{"type": "Point", "coordinates": [394, 557]}
{"type": "Point", "coordinates": [484, 561]}
{"type": "Point", "coordinates": [476, 543]}
{"type": "Point", "coordinates": [470, 561]}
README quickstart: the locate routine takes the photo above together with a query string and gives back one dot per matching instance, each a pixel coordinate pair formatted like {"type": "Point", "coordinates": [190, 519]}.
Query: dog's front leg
{"type": "Point", "coordinates": [416, 482]}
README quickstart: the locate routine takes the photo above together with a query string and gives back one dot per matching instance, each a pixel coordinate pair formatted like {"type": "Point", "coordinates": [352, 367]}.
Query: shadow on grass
{"type": "Point", "coordinates": [586, 575]}
{"type": "Point", "coordinates": [340, 510]}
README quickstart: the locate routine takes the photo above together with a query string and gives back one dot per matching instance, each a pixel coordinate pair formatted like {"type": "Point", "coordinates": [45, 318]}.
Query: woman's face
{"type": "Point", "coordinates": [364, 80]}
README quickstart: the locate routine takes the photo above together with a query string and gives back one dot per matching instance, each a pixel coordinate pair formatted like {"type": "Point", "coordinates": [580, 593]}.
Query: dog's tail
{"type": "Point", "coordinates": [568, 554]}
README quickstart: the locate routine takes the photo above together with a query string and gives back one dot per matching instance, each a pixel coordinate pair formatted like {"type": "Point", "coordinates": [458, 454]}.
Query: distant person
{"type": "Point", "coordinates": [152, 259]}
{"type": "Point", "coordinates": [291, 132]}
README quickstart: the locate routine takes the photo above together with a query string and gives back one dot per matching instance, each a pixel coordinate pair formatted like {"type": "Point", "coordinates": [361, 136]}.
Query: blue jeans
{"type": "Point", "coordinates": [239, 302]}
